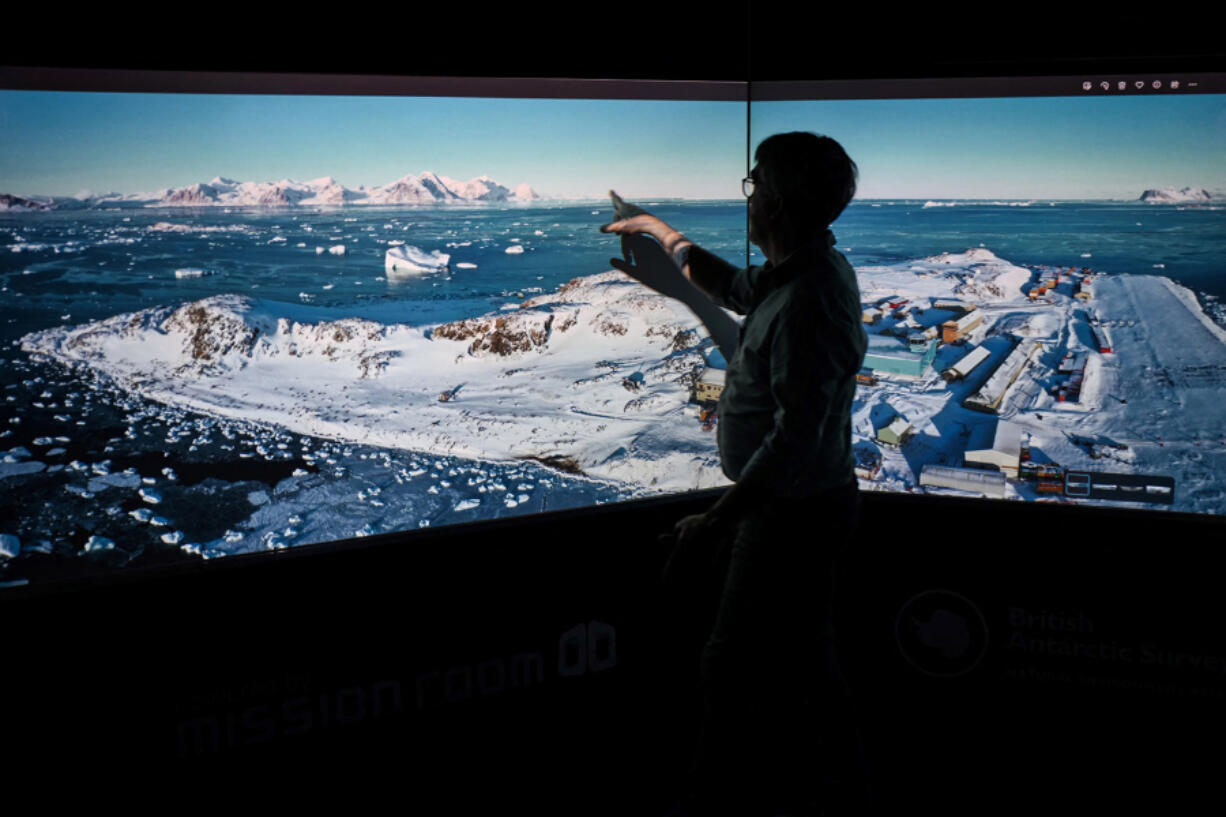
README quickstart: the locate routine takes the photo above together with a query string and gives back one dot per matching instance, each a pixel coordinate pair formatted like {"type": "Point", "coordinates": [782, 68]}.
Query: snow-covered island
{"type": "Point", "coordinates": [412, 189]}
{"type": "Point", "coordinates": [1107, 373]}
{"type": "Point", "coordinates": [1171, 195]}
{"type": "Point", "coordinates": [19, 204]}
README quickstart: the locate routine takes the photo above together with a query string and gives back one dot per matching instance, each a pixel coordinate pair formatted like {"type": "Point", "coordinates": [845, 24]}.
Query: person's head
{"type": "Point", "coordinates": [802, 182]}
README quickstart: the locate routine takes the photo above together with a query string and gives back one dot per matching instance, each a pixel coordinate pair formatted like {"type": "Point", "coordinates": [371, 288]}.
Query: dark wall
{"type": "Point", "coordinates": [998, 652]}
{"type": "Point", "coordinates": [767, 41]}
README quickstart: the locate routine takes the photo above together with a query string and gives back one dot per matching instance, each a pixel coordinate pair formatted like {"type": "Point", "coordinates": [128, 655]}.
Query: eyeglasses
{"type": "Point", "coordinates": [747, 186]}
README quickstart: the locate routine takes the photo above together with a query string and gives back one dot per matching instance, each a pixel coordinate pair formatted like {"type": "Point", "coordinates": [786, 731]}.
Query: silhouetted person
{"type": "Point", "coordinates": [756, 571]}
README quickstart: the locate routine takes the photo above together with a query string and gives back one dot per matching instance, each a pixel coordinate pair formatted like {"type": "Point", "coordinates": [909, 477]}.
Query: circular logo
{"type": "Point", "coordinates": [941, 633]}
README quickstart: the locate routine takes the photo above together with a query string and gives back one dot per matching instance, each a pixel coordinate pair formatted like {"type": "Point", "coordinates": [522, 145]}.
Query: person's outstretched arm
{"type": "Point", "coordinates": [707, 271]}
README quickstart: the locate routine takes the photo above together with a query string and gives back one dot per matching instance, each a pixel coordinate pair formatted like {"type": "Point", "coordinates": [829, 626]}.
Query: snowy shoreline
{"type": "Point", "coordinates": [598, 375]}
{"type": "Point", "coordinates": [546, 381]}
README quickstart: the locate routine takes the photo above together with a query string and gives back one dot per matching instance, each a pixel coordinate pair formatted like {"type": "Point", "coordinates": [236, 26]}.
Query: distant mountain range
{"type": "Point", "coordinates": [423, 188]}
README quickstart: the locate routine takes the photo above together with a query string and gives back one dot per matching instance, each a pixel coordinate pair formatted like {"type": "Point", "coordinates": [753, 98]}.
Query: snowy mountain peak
{"type": "Point", "coordinates": [525, 193]}
{"type": "Point", "coordinates": [426, 187]}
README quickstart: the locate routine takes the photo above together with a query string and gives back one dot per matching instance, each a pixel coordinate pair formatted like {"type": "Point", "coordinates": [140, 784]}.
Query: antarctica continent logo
{"type": "Point", "coordinates": [941, 633]}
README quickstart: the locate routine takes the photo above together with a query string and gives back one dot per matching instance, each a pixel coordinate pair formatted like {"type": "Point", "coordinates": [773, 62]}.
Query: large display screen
{"type": "Point", "coordinates": [237, 322]}
{"type": "Point", "coordinates": [241, 322]}
{"type": "Point", "coordinates": [1042, 265]}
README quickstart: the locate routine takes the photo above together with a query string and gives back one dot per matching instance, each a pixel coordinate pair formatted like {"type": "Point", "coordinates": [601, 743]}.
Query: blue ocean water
{"type": "Point", "coordinates": [71, 267]}
{"type": "Point", "coordinates": [1187, 245]}
{"type": "Point", "coordinates": [91, 265]}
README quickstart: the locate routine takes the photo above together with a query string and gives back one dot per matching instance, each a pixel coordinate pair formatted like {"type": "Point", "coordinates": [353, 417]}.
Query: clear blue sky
{"type": "Point", "coordinates": [54, 143]}
{"type": "Point", "coordinates": [1067, 147]}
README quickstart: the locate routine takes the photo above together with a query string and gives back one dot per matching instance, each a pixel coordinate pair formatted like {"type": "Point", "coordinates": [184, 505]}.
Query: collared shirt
{"type": "Point", "coordinates": [785, 412]}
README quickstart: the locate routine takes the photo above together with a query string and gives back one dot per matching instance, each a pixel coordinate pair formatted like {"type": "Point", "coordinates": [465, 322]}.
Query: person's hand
{"type": "Point", "coordinates": [693, 548]}
{"type": "Point", "coordinates": [648, 263]}
{"type": "Point", "coordinates": [634, 220]}
{"type": "Point", "coordinates": [691, 527]}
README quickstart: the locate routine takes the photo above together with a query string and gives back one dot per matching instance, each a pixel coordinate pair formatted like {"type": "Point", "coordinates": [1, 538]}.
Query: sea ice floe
{"type": "Point", "coordinates": [467, 504]}
{"type": "Point", "coordinates": [466, 265]}
{"type": "Point", "coordinates": [337, 249]}
{"type": "Point", "coordinates": [514, 249]}
{"type": "Point", "coordinates": [97, 543]}
{"type": "Point", "coordinates": [150, 496]}
{"type": "Point", "coordinates": [172, 538]}
{"type": "Point", "coordinates": [124, 480]}
{"type": "Point", "coordinates": [141, 514]}
{"type": "Point", "coordinates": [192, 273]}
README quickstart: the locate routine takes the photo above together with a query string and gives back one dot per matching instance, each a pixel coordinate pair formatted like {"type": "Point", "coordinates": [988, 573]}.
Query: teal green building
{"type": "Point", "coordinates": [891, 355]}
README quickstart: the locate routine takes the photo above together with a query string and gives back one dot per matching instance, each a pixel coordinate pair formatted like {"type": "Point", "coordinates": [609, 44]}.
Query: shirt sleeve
{"type": "Point", "coordinates": [806, 373]}
{"type": "Point", "coordinates": [739, 296]}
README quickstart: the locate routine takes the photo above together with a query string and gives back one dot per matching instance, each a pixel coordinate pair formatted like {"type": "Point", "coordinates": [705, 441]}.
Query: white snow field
{"type": "Point", "coordinates": [597, 376]}
{"type": "Point", "coordinates": [543, 381]}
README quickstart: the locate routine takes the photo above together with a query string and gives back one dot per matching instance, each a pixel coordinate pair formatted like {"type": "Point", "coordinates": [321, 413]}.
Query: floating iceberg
{"type": "Point", "coordinates": [407, 258]}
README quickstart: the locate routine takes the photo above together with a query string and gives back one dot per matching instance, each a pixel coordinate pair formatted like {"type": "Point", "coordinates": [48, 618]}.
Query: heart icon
{"type": "Point", "coordinates": [1140, 84]}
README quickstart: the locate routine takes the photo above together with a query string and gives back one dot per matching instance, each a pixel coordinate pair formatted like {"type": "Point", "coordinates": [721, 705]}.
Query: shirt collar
{"type": "Point", "coordinates": [772, 277]}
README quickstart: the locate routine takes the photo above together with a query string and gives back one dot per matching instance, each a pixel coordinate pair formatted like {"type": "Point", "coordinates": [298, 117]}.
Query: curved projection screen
{"type": "Point", "coordinates": [307, 309]}
{"type": "Point", "coordinates": [242, 322]}
{"type": "Point", "coordinates": [1041, 265]}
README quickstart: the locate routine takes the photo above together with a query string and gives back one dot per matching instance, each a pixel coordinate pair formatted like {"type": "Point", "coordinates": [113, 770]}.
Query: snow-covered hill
{"type": "Point", "coordinates": [1171, 195]}
{"type": "Point", "coordinates": [18, 204]}
{"type": "Point", "coordinates": [595, 377]}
